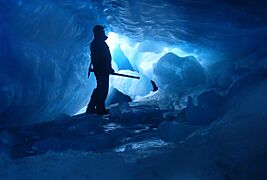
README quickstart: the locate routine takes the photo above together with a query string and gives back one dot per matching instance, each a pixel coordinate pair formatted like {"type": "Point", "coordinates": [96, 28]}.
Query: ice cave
{"type": "Point", "coordinates": [197, 111]}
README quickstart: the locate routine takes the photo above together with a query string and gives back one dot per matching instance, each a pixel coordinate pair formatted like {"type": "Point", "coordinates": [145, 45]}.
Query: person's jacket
{"type": "Point", "coordinates": [100, 57]}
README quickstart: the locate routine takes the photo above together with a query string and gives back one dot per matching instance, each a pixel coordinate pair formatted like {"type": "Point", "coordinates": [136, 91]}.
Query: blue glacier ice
{"type": "Point", "coordinates": [206, 121]}
{"type": "Point", "coordinates": [44, 47]}
{"type": "Point", "coordinates": [179, 75]}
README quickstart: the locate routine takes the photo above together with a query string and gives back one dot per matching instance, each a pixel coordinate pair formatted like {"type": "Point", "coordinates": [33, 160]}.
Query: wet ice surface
{"type": "Point", "coordinates": [145, 142]}
{"type": "Point", "coordinates": [136, 129]}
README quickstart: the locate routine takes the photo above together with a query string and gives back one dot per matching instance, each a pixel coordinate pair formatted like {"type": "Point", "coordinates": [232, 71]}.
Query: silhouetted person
{"type": "Point", "coordinates": [101, 61]}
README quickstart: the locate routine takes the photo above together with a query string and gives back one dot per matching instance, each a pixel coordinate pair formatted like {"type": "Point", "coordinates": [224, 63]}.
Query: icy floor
{"type": "Point", "coordinates": [139, 141]}
{"type": "Point", "coordinates": [133, 128]}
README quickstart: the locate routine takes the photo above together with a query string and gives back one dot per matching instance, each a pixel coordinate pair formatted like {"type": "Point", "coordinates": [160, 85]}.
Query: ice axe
{"type": "Point", "coordinates": [116, 74]}
{"type": "Point", "coordinates": [155, 87]}
{"type": "Point", "coordinates": [125, 75]}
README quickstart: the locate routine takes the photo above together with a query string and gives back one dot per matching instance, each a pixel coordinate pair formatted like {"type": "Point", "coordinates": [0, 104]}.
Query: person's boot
{"type": "Point", "coordinates": [102, 111]}
{"type": "Point", "coordinates": [91, 110]}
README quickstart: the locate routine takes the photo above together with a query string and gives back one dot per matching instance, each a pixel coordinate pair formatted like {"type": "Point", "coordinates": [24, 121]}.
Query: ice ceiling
{"type": "Point", "coordinates": [44, 47]}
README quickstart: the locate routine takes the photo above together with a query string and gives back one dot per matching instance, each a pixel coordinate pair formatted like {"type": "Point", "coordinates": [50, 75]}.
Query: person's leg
{"type": "Point", "coordinates": [102, 86]}
{"type": "Point", "coordinates": [91, 107]}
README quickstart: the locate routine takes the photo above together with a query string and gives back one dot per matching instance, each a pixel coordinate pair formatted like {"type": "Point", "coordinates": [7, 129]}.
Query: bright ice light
{"type": "Point", "coordinates": [113, 40]}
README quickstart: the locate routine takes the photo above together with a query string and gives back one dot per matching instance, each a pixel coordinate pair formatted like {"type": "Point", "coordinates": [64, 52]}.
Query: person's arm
{"type": "Point", "coordinates": [98, 58]}
{"type": "Point", "coordinates": [109, 59]}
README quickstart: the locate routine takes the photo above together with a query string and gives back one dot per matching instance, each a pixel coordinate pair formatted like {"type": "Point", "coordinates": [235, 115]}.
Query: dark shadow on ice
{"type": "Point", "coordinates": [154, 86]}
{"type": "Point", "coordinates": [209, 107]}
{"type": "Point", "coordinates": [85, 132]}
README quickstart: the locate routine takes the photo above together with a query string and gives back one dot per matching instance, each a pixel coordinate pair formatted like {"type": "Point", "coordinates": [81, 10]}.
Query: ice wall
{"type": "Point", "coordinates": [44, 58]}
{"type": "Point", "coordinates": [218, 32]}
{"type": "Point", "coordinates": [179, 75]}
{"type": "Point", "coordinates": [44, 46]}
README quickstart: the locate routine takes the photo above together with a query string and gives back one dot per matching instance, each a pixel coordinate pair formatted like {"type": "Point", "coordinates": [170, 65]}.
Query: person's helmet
{"type": "Point", "coordinates": [98, 30]}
